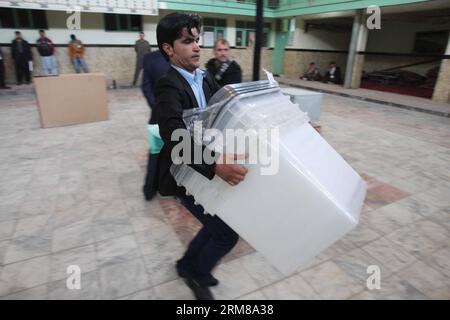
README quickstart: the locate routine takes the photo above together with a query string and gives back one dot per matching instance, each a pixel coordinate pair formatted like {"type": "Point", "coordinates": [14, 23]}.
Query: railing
{"type": "Point", "coordinates": [274, 4]}
{"type": "Point", "coordinates": [268, 4]}
{"type": "Point", "coordinates": [280, 8]}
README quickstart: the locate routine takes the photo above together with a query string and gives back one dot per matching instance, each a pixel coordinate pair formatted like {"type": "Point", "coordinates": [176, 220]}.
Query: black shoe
{"type": "Point", "coordinates": [148, 195]}
{"type": "Point", "coordinates": [208, 280]}
{"type": "Point", "coordinates": [201, 291]}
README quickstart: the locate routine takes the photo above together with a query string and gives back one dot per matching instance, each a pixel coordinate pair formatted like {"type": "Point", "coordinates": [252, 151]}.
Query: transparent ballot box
{"type": "Point", "coordinates": [297, 199]}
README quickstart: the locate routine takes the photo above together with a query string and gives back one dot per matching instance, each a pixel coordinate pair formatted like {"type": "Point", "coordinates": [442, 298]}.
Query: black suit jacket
{"type": "Point", "coordinates": [337, 75]}
{"type": "Point", "coordinates": [155, 66]}
{"type": "Point", "coordinates": [26, 54]}
{"type": "Point", "coordinates": [173, 96]}
{"type": "Point", "coordinates": [232, 75]}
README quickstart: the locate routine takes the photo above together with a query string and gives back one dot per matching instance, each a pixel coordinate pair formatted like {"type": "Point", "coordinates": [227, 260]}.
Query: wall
{"type": "Point", "coordinates": [398, 37]}
{"type": "Point", "coordinates": [304, 48]}
{"type": "Point", "coordinates": [442, 89]}
{"type": "Point", "coordinates": [318, 39]}
{"type": "Point", "coordinates": [118, 62]}
{"type": "Point", "coordinates": [394, 37]}
{"type": "Point", "coordinates": [92, 29]}
{"type": "Point", "coordinates": [383, 62]}
{"type": "Point", "coordinates": [115, 62]}
{"type": "Point", "coordinates": [296, 62]}
{"type": "Point", "coordinates": [112, 52]}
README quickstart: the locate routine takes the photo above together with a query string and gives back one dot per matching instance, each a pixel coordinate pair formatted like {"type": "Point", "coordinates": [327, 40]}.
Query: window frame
{"type": "Point", "coordinates": [217, 27]}
{"type": "Point", "coordinates": [248, 26]}
{"type": "Point", "coordinates": [30, 19]}
{"type": "Point", "coordinates": [117, 22]}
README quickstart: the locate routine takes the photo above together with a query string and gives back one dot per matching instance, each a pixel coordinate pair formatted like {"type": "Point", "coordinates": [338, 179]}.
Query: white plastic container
{"type": "Point", "coordinates": [313, 200]}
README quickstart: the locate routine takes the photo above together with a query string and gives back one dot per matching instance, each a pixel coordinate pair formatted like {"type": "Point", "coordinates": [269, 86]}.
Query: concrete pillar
{"type": "Point", "coordinates": [442, 88]}
{"type": "Point", "coordinates": [358, 64]}
{"type": "Point", "coordinates": [352, 49]}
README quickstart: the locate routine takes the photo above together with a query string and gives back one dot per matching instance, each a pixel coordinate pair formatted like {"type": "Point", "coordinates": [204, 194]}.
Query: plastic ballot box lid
{"type": "Point", "coordinates": [298, 197]}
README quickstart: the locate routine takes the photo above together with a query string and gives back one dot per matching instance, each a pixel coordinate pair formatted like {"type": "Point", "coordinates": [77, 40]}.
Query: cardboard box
{"type": "Point", "coordinates": [71, 99]}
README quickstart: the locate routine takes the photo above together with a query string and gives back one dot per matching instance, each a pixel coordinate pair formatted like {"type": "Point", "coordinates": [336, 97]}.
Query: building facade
{"type": "Point", "coordinates": [413, 34]}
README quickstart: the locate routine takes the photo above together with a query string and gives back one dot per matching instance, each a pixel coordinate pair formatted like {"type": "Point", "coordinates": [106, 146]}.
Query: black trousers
{"type": "Point", "coordinates": [150, 177]}
{"type": "Point", "coordinates": [214, 240]}
{"type": "Point", "coordinates": [333, 80]}
{"type": "Point", "coordinates": [22, 70]}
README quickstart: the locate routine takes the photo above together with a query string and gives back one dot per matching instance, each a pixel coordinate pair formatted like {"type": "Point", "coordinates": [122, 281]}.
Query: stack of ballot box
{"type": "Point", "coordinates": [295, 201]}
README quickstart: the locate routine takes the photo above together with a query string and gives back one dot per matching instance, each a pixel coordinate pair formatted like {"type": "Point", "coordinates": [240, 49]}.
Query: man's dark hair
{"type": "Point", "coordinates": [18, 32]}
{"type": "Point", "coordinates": [72, 36]}
{"type": "Point", "coordinates": [170, 28]}
{"type": "Point", "coordinates": [41, 31]}
{"type": "Point", "coordinates": [332, 62]}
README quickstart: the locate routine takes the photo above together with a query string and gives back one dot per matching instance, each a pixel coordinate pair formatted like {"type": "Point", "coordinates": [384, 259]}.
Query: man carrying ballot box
{"type": "Point", "coordinates": [185, 86]}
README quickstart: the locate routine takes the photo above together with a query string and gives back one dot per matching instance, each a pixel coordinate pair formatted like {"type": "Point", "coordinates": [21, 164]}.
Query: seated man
{"type": "Point", "coordinates": [312, 73]}
{"type": "Point", "coordinates": [333, 74]}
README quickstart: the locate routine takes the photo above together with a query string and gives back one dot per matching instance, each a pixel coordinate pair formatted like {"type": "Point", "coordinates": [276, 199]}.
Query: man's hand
{"type": "Point", "coordinates": [231, 173]}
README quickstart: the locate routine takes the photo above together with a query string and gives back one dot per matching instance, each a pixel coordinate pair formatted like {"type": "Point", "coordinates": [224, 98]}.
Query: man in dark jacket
{"type": "Point", "coordinates": [223, 68]}
{"type": "Point", "coordinates": [21, 54]}
{"type": "Point", "coordinates": [185, 86]}
{"type": "Point", "coordinates": [46, 49]}
{"type": "Point", "coordinates": [333, 75]}
{"type": "Point", "coordinates": [141, 47]}
{"type": "Point", "coordinates": [155, 66]}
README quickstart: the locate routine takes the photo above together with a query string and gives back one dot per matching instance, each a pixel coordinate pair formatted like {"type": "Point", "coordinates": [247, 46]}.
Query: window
{"type": "Point", "coordinates": [432, 42]}
{"type": "Point", "coordinates": [213, 30]}
{"type": "Point", "coordinates": [122, 22]}
{"type": "Point", "coordinates": [273, 4]}
{"type": "Point", "coordinates": [22, 19]}
{"type": "Point", "coordinates": [245, 34]}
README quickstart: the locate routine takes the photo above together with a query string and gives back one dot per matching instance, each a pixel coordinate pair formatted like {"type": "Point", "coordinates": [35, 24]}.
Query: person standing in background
{"type": "Point", "coordinates": [76, 52]}
{"type": "Point", "coordinates": [46, 49]}
{"type": "Point", "coordinates": [141, 47]}
{"type": "Point", "coordinates": [21, 54]}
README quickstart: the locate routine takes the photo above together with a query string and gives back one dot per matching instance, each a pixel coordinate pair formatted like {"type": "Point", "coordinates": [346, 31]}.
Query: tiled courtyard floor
{"type": "Point", "coordinates": [72, 196]}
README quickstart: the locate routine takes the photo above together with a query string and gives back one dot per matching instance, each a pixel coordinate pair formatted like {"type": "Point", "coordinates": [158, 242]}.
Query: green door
{"type": "Point", "coordinates": [281, 40]}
